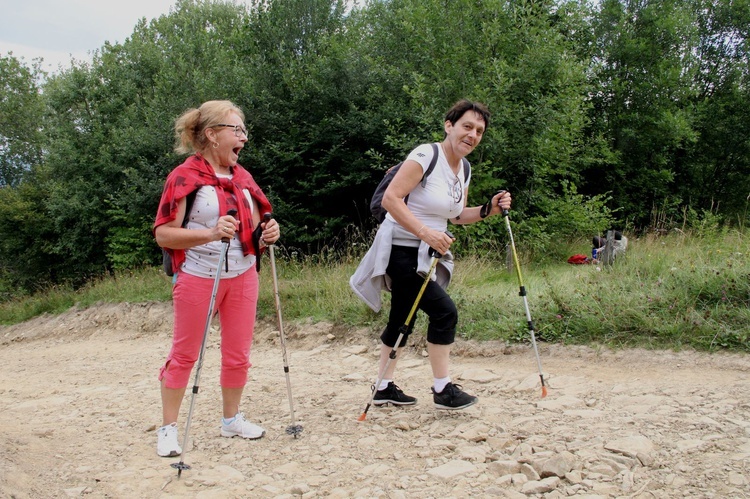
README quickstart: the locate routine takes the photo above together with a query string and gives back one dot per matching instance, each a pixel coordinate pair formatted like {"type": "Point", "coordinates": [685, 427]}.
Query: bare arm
{"type": "Point", "coordinates": [499, 202]}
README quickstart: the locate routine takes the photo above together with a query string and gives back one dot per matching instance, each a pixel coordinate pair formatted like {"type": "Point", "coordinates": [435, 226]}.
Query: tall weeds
{"type": "Point", "coordinates": [669, 291]}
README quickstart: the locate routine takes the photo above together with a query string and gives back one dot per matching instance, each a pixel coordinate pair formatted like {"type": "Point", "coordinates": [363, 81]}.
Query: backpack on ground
{"type": "Point", "coordinates": [376, 207]}
{"type": "Point", "coordinates": [578, 259]}
{"type": "Point", "coordinates": [166, 258]}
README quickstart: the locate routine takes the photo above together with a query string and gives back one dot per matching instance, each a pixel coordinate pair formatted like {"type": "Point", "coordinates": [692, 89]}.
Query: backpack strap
{"type": "Point", "coordinates": [432, 164]}
{"type": "Point", "coordinates": [189, 200]}
{"type": "Point", "coordinates": [430, 167]}
{"type": "Point", "coordinates": [166, 258]}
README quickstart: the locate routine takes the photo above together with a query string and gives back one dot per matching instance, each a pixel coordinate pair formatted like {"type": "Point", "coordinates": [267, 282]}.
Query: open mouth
{"type": "Point", "coordinates": [236, 151]}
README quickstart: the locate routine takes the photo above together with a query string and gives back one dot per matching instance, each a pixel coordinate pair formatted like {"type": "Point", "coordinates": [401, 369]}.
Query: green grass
{"type": "Point", "coordinates": [133, 286]}
{"type": "Point", "coordinates": [670, 292]}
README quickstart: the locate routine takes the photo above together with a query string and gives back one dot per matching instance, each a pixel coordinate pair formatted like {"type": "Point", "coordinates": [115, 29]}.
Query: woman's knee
{"type": "Point", "coordinates": [442, 327]}
{"type": "Point", "coordinates": [389, 336]}
{"type": "Point", "coordinates": [234, 376]}
{"type": "Point", "coordinates": [176, 372]}
{"type": "Point", "coordinates": [446, 316]}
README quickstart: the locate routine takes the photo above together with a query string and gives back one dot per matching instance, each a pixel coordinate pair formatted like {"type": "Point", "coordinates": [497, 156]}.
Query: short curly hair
{"type": "Point", "coordinates": [461, 107]}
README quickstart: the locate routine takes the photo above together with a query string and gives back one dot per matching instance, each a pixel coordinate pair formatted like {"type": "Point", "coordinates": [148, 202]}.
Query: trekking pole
{"type": "Point", "coordinates": [402, 330]}
{"type": "Point", "coordinates": [522, 293]}
{"type": "Point", "coordinates": [224, 248]}
{"type": "Point", "coordinates": [293, 429]}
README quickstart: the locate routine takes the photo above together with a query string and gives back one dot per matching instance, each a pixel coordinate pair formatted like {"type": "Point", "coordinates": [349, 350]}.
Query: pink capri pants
{"type": "Point", "coordinates": [236, 301]}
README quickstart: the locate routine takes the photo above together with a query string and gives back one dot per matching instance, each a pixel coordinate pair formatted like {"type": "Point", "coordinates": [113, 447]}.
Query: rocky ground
{"type": "Point", "coordinates": [80, 406]}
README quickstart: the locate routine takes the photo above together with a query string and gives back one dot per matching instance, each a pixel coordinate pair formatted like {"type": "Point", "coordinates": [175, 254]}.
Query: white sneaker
{"type": "Point", "coordinates": [167, 445]}
{"type": "Point", "coordinates": [241, 428]}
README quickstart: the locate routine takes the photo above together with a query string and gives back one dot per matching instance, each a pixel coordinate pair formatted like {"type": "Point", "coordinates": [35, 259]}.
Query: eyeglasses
{"type": "Point", "coordinates": [238, 130]}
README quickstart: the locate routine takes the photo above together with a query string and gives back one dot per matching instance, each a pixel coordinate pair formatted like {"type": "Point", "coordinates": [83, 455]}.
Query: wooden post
{"type": "Point", "coordinates": [608, 253]}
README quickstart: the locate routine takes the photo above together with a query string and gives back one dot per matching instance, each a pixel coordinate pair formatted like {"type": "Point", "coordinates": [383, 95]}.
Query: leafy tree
{"type": "Point", "coordinates": [113, 130]}
{"type": "Point", "coordinates": [644, 68]}
{"type": "Point", "coordinates": [21, 119]}
{"type": "Point", "coordinates": [599, 110]}
{"type": "Point", "coordinates": [25, 232]}
{"type": "Point", "coordinates": [514, 56]}
{"type": "Point", "coordinates": [670, 86]}
{"type": "Point", "coordinates": [308, 116]}
{"type": "Point", "coordinates": [715, 172]}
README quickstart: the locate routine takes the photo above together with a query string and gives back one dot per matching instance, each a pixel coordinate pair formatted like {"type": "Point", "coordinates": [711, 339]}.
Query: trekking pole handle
{"type": "Point", "coordinates": [505, 212]}
{"type": "Point", "coordinates": [232, 213]}
{"type": "Point", "coordinates": [266, 218]}
{"type": "Point", "coordinates": [435, 253]}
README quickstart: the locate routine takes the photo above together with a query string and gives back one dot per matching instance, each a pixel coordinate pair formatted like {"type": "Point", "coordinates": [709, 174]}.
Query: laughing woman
{"type": "Point", "coordinates": [216, 184]}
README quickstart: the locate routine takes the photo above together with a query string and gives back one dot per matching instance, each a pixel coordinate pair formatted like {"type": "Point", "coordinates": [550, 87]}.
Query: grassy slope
{"type": "Point", "coordinates": [669, 292]}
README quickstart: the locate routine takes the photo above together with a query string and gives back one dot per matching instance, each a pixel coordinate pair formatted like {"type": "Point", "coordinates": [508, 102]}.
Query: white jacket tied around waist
{"type": "Point", "coordinates": [370, 278]}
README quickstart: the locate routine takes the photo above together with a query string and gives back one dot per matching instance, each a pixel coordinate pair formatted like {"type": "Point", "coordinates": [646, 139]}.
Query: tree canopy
{"type": "Point", "coordinates": [625, 113]}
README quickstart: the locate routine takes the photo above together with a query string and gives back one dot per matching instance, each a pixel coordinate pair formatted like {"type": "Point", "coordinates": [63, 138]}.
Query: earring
{"type": "Point", "coordinates": [216, 145]}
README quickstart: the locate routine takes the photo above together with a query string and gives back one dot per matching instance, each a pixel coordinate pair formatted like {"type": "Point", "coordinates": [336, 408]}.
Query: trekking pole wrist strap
{"type": "Point", "coordinates": [485, 210]}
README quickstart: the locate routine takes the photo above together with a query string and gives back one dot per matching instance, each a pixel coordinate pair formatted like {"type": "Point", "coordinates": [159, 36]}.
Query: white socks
{"type": "Point", "coordinates": [439, 383]}
{"type": "Point", "coordinates": [384, 384]}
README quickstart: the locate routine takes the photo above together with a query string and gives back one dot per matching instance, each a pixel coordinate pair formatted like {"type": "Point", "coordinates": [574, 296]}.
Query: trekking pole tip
{"type": "Point", "coordinates": [544, 386]}
{"type": "Point", "coordinates": [180, 466]}
{"type": "Point", "coordinates": [362, 417]}
{"type": "Point", "coordinates": [294, 430]}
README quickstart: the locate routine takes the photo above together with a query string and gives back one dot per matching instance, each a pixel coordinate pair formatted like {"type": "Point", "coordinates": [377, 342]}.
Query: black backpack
{"type": "Point", "coordinates": [376, 208]}
{"type": "Point", "coordinates": [166, 258]}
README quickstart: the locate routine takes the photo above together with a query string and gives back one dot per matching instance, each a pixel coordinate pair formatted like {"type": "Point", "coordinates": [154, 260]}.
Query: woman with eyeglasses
{"type": "Point", "coordinates": [417, 219]}
{"type": "Point", "coordinates": [192, 218]}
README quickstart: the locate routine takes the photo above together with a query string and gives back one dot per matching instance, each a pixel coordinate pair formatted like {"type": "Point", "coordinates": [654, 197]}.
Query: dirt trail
{"type": "Point", "coordinates": [80, 405]}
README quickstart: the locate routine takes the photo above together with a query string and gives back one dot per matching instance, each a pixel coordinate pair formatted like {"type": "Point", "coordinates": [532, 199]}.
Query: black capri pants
{"type": "Point", "coordinates": [435, 302]}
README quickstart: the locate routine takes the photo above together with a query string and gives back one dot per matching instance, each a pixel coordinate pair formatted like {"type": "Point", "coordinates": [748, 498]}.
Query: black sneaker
{"type": "Point", "coordinates": [452, 398]}
{"type": "Point", "coordinates": [392, 394]}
